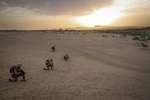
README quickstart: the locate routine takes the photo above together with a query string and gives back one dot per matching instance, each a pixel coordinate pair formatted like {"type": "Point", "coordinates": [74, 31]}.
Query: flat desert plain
{"type": "Point", "coordinates": [102, 66]}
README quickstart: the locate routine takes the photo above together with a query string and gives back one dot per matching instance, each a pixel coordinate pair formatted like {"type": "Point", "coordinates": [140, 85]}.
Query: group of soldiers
{"type": "Point", "coordinates": [49, 62]}
{"type": "Point", "coordinates": [16, 71]}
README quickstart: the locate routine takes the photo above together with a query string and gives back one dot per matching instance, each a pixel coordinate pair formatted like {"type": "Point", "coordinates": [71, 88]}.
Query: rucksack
{"type": "Point", "coordinates": [47, 62]}
{"type": "Point", "coordinates": [12, 69]}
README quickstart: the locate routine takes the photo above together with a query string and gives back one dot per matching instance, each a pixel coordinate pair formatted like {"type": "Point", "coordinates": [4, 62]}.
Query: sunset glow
{"type": "Point", "coordinates": [55, 14]}
{"type": "Point", "coordinates": [104, 16]}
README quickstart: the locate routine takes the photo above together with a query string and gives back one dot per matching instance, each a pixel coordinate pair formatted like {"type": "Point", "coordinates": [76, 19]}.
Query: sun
{"type": "Point", "coordinates": [104, 16]}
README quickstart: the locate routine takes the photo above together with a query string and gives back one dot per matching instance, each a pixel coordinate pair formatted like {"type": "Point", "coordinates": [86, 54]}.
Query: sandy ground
{"type": "Point", "coordinates": [99, 68]}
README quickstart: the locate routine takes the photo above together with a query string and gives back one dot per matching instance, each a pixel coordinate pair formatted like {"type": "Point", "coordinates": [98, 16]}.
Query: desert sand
{"type": "Point", "coordinates": [99, 68]}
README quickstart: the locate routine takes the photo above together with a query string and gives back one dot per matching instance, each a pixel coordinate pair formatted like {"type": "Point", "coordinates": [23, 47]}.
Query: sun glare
{"type": "Point", "coordinates": [103, 16]}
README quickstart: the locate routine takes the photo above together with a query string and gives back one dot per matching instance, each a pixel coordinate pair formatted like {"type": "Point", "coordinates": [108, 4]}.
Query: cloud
{"type": "Point", "coordinates": [58, 7]}
{"type": "Point", "coordinates": [133, 6]}
{"type": "Point", "coordinates": [3, 5]}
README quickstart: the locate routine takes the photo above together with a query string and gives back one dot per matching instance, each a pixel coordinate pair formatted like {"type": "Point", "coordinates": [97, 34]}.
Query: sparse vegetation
{"type": "Point", "coordinates": [136, 38]}
{"type": "Point", "coordinates": [144, 45]}
{"type": "Point", "coordinates": [143, 39]}
{"type": "Point", "coordinates": [104, 36]}
{"type": "Point", "coordinates": [124, 35]}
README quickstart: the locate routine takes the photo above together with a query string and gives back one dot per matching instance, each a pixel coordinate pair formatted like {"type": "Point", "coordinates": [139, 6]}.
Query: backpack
{"type": "Point", "coordinates": [12, 69]}
{"type": "Point", "coordinates": [22, 72]}
{"type": "Point", "coordinates": [47, 62]}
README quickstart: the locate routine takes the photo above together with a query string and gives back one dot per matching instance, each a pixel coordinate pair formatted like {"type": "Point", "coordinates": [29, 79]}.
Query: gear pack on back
{"type": "Point", "coordinates": [12, 69]}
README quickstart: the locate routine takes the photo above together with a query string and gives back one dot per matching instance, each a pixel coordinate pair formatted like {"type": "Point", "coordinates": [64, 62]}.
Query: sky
{"type": "Point", "coordinates": [55, 14]}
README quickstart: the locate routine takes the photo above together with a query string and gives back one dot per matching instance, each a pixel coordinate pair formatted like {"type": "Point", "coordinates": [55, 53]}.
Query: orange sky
{"type": "Point", "coordinates": [52, 14]}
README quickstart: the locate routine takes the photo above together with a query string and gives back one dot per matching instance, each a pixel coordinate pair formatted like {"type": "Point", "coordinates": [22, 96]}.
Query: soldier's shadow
{"type": "Point", "coordinates": [45, 69]}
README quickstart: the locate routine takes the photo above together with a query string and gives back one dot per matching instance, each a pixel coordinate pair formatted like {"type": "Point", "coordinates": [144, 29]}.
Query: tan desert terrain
{"type": "Point", "coordinates": [99, 68]}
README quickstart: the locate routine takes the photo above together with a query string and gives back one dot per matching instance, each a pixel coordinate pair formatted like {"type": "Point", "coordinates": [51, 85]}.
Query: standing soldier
{"type": "Point", "coordinates": [49, 64]}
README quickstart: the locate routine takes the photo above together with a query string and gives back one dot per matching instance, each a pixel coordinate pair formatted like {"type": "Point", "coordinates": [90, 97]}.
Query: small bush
{"type": "Point", "coordinates": [135, 38]}
{"type": "Point", "coordinates": [143, 36]}
{"type": "Point", "coordinates": [124, 35]}
{"type": "Point", "coordinates": [104, 36]}
{"type": "Point", "coordinates": [144, 45]}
